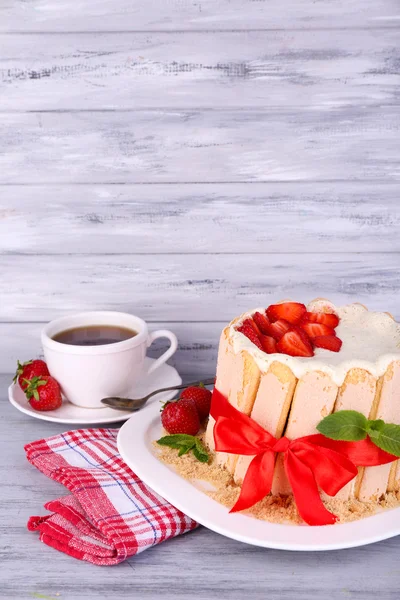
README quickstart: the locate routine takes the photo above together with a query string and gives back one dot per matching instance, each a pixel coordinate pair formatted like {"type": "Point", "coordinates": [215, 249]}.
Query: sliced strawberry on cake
{"type": "Point", "coordinates": [278, 329]}
{"type": "Point", "coordinates": [250, 333]}
{"type": "Point", "coordinates": [315, 329]}
{"type": "Point", "coordinates": [292, 312]}
{"type": "Point", "coordinates": [328, 319]}
{"type": "Point", "coordinates": [250, 323]}
{"type": "Point", "coordinates": [268, 344]}
{"type": "Point", "coordinates": [288, 328]}
{"type": "Point", "coordinates": [262, 322]}
{"type": "Point", "coordinates": [328, 342]}
{"type": "Point", "coordinates": [295, 343]}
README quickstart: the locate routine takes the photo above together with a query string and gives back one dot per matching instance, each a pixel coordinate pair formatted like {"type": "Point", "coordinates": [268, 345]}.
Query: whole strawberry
{"type": "Point", "coordinates": [181, 417]}
{"type": "Point", "coordinates": [202, 399]}
{"type": "Point", "coordinates": [28, 370]}
{"type": "Point", "coordinates": [43, 393]}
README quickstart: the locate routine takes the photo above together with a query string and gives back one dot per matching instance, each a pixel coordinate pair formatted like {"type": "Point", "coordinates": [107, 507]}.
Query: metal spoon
{"type": "Point", "coordinates": [138, 403]}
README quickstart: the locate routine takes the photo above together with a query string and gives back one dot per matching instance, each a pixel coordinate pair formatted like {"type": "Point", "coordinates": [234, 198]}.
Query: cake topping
{"type": "Point", "coordinates": [328, 342]}
{"type": "Point", "coordinates": [288, 328]}
{"type": "Point", "coordinates": [295, 343]}
{"type": "Point", "coordinates": [315, 329]}
{"type": "Point", "coordinates": [268, 343]}
{"type": "Point", "coordinates": [371, 341]}
{"type": "Point", "coordinates": [278, 329]}
{"type": "Point", "coordinates": [262, 322]}
{"type": "Point", "coordinates": [329, 319]}
{"type": "Point", "coordinates": [290, 311]}
{"type": "Point", "coordinates": [247, 329]}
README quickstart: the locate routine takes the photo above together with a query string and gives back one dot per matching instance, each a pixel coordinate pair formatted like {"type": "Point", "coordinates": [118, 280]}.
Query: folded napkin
{"type": "Point", "coordinates": [111, 514]}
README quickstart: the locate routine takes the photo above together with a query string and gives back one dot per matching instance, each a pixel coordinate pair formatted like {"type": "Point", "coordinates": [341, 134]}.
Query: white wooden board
{"type": "Point", "coordinates": [204, 69]}
{"type": "Point", "coordinates": [104, 104]}
{"type": "Point", "coordinates": [128, 15]}
{"type": "Point", "coordinates": [174, 569]}
{"type": "Point", "coordinates": [191, 287]}
{"type": "Point", "coordinates": [201, 145]}
{"type": "Point", "coordinates": [139, 219]}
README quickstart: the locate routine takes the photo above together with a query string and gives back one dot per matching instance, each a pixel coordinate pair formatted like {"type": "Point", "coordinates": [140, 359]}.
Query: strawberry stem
{"type": "Point", "coordinates": [20, 369]}
{"type": "Point", "coordinates": [33, 385]}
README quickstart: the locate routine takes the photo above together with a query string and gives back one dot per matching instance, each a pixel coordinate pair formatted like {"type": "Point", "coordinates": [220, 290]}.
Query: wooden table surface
{"type": "Point", "coordinates": [200, 564]}
{"type": "Point", "coordinates": [186, 161]}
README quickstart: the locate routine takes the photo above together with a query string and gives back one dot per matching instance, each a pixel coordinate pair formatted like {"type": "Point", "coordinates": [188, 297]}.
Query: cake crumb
{"type": "Point", "coordinates": [275, 509]}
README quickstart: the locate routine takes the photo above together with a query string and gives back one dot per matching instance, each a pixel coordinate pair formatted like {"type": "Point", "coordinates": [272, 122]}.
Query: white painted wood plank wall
{"type": "Point", "coordinates": [332, 217]}
{"type": "Point", "coordinates": [208, 69]}
{"type": "Point", "coordinates": [108, 15]}
{"type": "Point", "coordinates": [187, 160]}
{"type": "Point", "coordinates": [194, 151]}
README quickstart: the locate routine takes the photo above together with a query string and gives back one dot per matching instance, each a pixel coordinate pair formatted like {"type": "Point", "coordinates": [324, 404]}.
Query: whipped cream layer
{"type": "Point", "coordinates": [371, 341]}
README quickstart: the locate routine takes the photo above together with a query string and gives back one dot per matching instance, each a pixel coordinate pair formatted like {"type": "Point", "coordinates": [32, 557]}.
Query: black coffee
{"type": "Point", "coordinates": [94, 335]}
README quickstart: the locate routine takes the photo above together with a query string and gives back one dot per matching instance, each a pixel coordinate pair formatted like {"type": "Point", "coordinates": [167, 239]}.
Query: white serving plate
{"type": "Point", "coordinates": [164, 376]}
{"type": "Point", "coordinates": [135, 446]}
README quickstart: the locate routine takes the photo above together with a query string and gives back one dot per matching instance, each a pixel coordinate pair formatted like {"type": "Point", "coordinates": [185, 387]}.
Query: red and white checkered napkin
{"type": "Point", "coordinates": [111, 514]}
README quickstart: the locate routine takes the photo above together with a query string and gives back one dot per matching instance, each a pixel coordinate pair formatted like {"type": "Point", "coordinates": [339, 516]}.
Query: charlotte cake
{"type": "Point", "coordinates": [288, 383]}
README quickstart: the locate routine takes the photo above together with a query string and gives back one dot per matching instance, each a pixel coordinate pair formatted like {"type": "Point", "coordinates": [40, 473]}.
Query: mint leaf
{"type": "Point", "coordinates": [200, 456]}
{"type": "Point", "coordinates": [352, 426]}
{"type": "Point", "coordinates": [387, 437]}
{"type": "Point", "coordinates": [374, 427]}
{"type": "Point", "coordinates": [200, 450]}
{"type": "Point", "coordinates": [185, 443]}
{"type": "Point", "coordinates": [184, 450]}
{"type": "Point", "coordinates": [177, 440]}
{"type": "Point", "coordinates": [346, 425]}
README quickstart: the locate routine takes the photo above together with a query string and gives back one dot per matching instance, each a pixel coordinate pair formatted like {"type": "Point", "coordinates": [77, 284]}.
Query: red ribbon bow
{"type": "Point", "coordinates": [311, 462]}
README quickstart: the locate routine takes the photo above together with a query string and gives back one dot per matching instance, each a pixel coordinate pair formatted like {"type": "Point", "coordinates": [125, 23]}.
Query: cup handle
{"type": "Point", "coordinates": [168, 353]}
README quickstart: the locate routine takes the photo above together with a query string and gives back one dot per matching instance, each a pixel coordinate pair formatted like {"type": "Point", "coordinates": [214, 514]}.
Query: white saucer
{"type": "Point", "coordinates": [164, 376]}
{"type": "Point", "coordinates": [135, 440]}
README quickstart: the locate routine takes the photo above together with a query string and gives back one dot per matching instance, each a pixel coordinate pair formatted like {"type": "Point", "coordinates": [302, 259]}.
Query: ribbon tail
{"type": "Point", "coordinates": [331, 469]}
{"type": "Point", "coordinates": [306, 493]}
{"type": "Point", "coordinates": [257, 482]}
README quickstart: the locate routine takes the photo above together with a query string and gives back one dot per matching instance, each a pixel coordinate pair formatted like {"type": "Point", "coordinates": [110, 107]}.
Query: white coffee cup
{"type": "Point", "coordinates": [89, 373]}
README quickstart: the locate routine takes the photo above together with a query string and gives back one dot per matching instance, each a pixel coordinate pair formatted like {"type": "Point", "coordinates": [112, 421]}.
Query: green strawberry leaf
{"type": "Point", "coordinates": [346, 425]}
{"type": "Point", "coordinates": [387, 437]}
{"type": "Point", "coordinates": [164, 404]}
{"type": "Point", "coordinates": [20, 369]}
